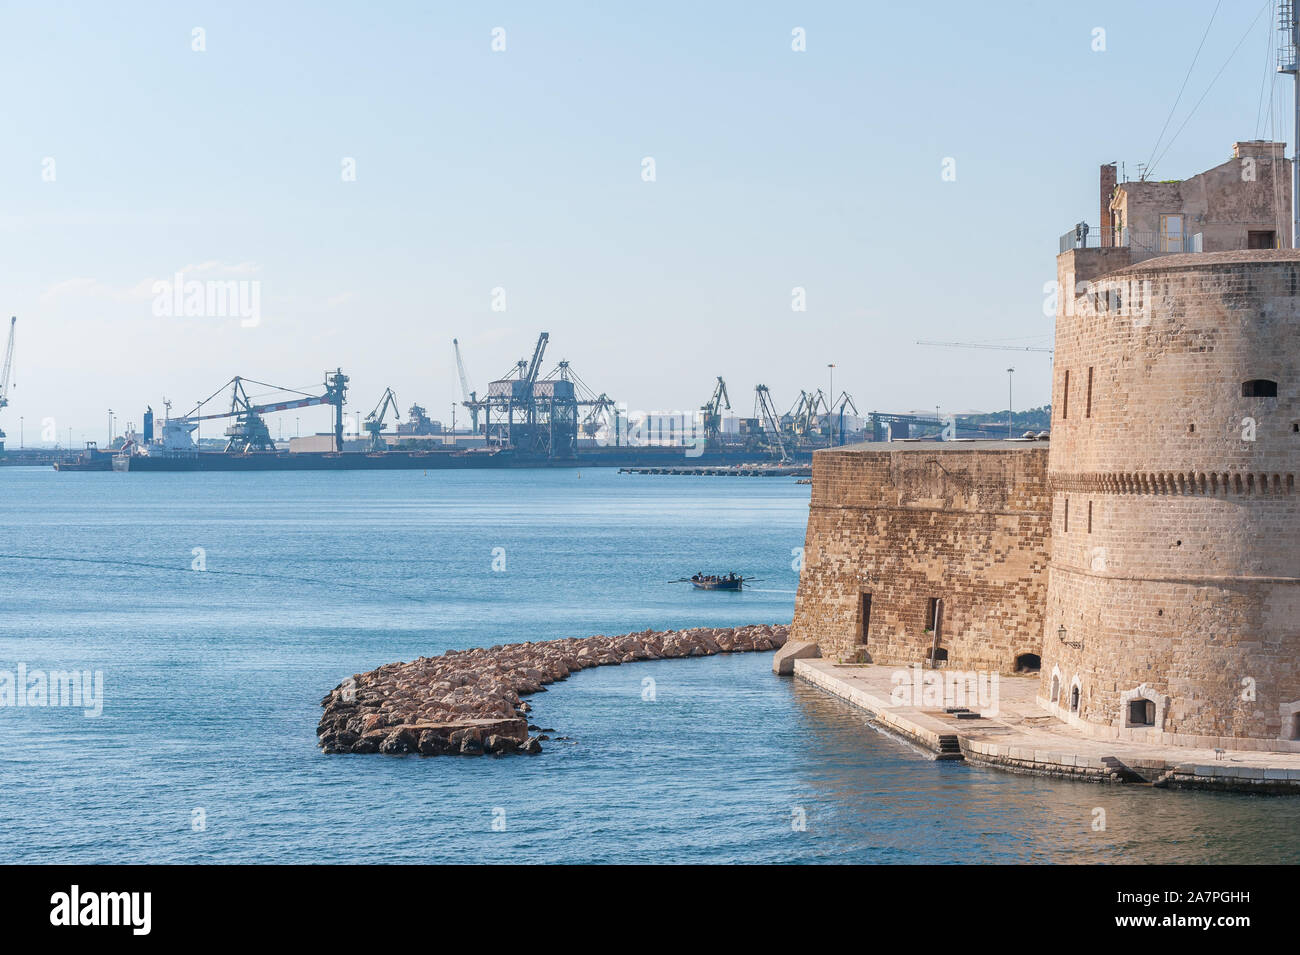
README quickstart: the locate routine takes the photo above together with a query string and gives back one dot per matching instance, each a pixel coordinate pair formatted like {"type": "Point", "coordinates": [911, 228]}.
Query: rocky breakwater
{"type": "Point", "coordinates": [469, 702]}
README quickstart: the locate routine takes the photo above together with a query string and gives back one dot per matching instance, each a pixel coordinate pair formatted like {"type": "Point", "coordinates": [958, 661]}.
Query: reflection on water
{"type": "Point", "coordinates": [887, 802]}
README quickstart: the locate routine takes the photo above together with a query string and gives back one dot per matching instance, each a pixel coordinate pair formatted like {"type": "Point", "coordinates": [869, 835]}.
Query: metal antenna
{"type": "Point", "coordinates": [1288, 24]}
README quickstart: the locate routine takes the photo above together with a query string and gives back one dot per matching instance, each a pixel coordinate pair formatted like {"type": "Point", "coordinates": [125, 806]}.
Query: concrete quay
{"type": "Point", "coordinates": [1019, 736]}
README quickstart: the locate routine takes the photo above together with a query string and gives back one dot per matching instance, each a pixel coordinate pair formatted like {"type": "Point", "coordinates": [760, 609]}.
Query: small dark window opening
{"type": "Point", "coordinates": [1087, 411]}
{"type": "Point", "coordinates": [1067, 515]}
{"type": "Point", "coordinates": [1065, 397]}
{"type": "Point", "coordinates": [1074, 699]}
{"type": "Point", "coordinates": [1261, 239]}
{"type": "Point", "coordinates": [1090, 517]}
{"type": "Point", "coordinates": [1295, 725]}
{"type": "Point", "coordinates": [931, 612]}
{"type": "Point", "coordinates": [1259, 388]}
{"type": "Point", "coordinates": [1028, 663]}
{"type": "Point", "coordinates": [866, 619]}
{"type": "Point", "coordinates": [1141, 713]}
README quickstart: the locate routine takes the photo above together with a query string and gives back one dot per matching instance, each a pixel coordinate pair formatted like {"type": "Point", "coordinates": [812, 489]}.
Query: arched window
{"type": "Point", "coordinates": [1056, 688]}
{"type": "Point", "coordinates": [1074, 698]}
{"type": "Point", "coordinates": [1259, 388]}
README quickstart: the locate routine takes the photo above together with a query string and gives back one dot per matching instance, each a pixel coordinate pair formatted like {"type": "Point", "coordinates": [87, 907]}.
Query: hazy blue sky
{"type": "Point", "coordinates": [522, 170]}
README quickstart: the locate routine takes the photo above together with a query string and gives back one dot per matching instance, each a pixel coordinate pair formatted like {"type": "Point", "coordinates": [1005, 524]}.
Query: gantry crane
{"type": "Point", "coordinates": [4, 375]}
{"type": "Point", "coordinates": [713, 414]}
{"type": "Point", "coordinates": [375, 420]}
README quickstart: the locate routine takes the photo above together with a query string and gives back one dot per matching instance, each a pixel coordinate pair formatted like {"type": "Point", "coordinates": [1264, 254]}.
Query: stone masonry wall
{"type": "Point", "coordinates": [1175, 573]}
{"type": "Point", "coordinates": [968, 523]}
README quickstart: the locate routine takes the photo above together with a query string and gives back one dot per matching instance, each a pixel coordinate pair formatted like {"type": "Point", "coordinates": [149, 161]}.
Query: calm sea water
{"type": "Point", "coordinates": [213, 681]}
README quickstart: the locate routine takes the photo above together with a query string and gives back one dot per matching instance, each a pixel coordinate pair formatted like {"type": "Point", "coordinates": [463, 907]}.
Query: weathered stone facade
{"type": "Point", "coordinates": [1242, 203]}
{"type": "Point", "coordinates": [893, 527]}
{"type": "Point", "coordinates": [1175, 447]}
{"type": "Point", "coordinates": [1151, 557]}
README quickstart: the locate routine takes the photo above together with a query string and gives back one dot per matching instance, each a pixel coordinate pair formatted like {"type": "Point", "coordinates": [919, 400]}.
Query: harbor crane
{"type": "Point", "coordinates": [803, 416]}
{"type": "Point", "coordinates": [4, 375]}
{"type": "Point", "coordinates": [988, 345]}
{"type": "Point", "coordinates": [469, 397]}
{"type": "Point", "coordinates": [843, 401]}
{"type": "Point", "coordinates": [766, 413]}
{"type": "Point", "coordinates": [713, 414]}
{"type": "Point", "coordinates": [249, 431]}
{"type": "Point", "coordinates": [375, 420]}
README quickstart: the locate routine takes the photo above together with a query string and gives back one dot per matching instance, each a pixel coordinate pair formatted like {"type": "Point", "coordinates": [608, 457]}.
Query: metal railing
{"type": "Point", "coordinates": [1083, 236]}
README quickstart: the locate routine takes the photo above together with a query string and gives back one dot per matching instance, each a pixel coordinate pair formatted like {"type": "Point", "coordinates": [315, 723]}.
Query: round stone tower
{"type": "Point", "coordinates": [1173, 599]}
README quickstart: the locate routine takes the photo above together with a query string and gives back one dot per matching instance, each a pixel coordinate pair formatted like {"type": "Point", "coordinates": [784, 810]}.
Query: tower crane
{"type": "Point", "coordinates": [375, 420]}
{"type": "Point", "coordinates": [469, 397]}
{"type": "Point", "coordinates": [713, 414]}
{"type": "Point", "coordinates": [4, 375]}
{"type": "Point", "coordinates": [988, 345]}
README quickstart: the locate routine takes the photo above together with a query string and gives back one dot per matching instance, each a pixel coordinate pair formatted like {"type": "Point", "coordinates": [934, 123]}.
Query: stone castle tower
{"type": "Point", "coordinates": [1173, 600]}
{"type": "Point", "coordinates": [1146, 560]}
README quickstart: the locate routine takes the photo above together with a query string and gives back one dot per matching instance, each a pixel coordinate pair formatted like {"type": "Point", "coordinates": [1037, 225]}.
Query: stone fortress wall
{"type": "Point", "coordinates": [1151, 557]}
{"type": "Point", "coordinates": [893, 527]}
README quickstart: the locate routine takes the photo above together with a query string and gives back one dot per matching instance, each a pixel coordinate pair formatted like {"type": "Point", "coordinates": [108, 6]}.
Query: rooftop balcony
{"type": "Point", "coordinates": [1142, 245]}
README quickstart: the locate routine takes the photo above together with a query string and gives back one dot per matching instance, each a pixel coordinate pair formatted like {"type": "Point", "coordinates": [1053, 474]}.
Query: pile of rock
{"type": "Point", "coordinates": [467, 702]}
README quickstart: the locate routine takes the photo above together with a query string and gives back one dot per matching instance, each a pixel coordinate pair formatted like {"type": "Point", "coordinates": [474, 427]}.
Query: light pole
{"type": "Point", "coordinates": [1010, 372]}
{"type": "Point", "coordinates": [20, 432]}
{"type": "Point", "coordinates": [296, 432]}
{"type": "Point", "coordinates": [110, 428]}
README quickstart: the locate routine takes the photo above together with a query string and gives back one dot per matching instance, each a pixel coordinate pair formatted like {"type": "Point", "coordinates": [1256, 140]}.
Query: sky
{"type": "Point", "coordinates": [383, 180]}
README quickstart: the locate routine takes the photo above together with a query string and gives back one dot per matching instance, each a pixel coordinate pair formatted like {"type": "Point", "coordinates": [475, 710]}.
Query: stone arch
{"type": "Point", "coordinates": [1158, 707]}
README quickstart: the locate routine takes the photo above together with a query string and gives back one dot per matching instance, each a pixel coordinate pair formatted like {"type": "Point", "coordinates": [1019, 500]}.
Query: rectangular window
{"type": "Point", "coordinates": [1171, 233]}
{"type": "Point", "coordinates": [1067, 515]}
{"type": "Point", "coordinates": [931, 613]}
{"type": "Point", "coordinates": [1090, 517]}
{"type": "Point", "coordinates": [1065, 397]}
{"type": "Point", "coordinates": [1261, 240]}
{"type": "Point", "coordinates": [1087, 411]}
{"type": "Point", "coordinates": [1141, 713]}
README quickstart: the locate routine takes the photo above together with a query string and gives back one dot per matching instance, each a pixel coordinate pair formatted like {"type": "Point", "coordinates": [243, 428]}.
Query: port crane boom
{"type": "Point", "coordinates": [766, 412]}
{"type": "Point", "coordinates": [375, 420]}
{"type": "Point", "coordinates": [4, 375]}
{"type": "Point", "coordinates": [9, 364]}
{"type": "Point", "coordinates": [713, 414]}
{"type": "Point", "coordinates": [469, 397]}
{"type": "Point", "coordinates": [249, 432]}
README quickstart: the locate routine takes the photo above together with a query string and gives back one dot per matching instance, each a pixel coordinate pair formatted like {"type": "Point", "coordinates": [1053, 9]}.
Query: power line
{"type": "Point", "coordinates": [1211, 86]}
{"type": "Point", "coordinates": [1179, 97]}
